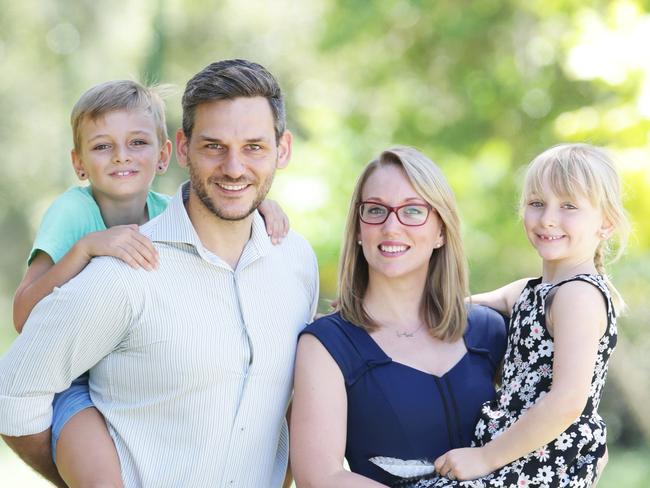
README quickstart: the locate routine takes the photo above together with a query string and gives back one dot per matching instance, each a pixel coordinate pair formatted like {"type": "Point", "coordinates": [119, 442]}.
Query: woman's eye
{"type": "Point", "coordinates": [376, 210]}
{"type": "Point", "coordinates": [414, 210]}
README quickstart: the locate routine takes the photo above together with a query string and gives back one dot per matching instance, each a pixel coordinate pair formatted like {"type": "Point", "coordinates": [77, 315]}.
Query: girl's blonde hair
{"type": "Point", "coordinates": [443, 309]}
{"type": "Point", "coordinates": [583, 170]}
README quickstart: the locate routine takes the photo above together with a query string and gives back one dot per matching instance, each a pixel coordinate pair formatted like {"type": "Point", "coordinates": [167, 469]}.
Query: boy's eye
{"type": "Point", "coordinates": [100, 147]}
{"type": "Point", "coordinates": [139, 142]}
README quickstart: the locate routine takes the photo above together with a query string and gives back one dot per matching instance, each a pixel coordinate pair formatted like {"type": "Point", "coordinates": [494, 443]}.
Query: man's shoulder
{"type": "Point", "coordinates": [295, 242]}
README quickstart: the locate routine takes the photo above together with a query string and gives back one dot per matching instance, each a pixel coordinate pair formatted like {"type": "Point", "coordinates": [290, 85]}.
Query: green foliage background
{"type": "Point", "coordinates": [480, 86]}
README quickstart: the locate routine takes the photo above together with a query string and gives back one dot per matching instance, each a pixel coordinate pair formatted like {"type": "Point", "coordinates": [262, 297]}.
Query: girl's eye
{"type": "Point", "coordinates": [569, 206]}
{"type": "Point", "coordinates": [536, 204]}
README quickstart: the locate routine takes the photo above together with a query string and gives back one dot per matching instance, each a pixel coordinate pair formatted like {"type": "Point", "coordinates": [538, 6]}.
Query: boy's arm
{"type": "Point", "coordinates": [502, 299]}
{"type": "Point", "coordinates": [276, 221]}
{"type": "Point", "coordinates": [43, 275]}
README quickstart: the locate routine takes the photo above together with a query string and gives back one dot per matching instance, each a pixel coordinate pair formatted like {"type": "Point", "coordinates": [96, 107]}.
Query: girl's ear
{"type": "Point", "coordinates": [78, 166]}
{"type": "Point", "coordinates": [164, 157]}
{"type": "Point", "coordinates": [606, 230]}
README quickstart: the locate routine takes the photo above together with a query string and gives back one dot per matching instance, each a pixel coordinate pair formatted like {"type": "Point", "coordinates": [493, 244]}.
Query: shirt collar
{"type": "Point", "coordinates": [174, 225]}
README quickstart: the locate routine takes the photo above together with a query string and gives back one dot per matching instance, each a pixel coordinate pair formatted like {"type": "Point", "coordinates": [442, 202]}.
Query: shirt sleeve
{"type": "Point", "coordinates": [67, 333]}
{"type": "Point", "coordinates": [70, 217]}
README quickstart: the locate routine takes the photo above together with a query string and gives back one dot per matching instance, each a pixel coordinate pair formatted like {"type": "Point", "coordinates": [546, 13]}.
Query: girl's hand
{"type": "Point", "coordinates": [277, 222]}
{"type": "Point", "coordinates": [123, 242]}
{"type": "Point", "coordinates": [463, 464]}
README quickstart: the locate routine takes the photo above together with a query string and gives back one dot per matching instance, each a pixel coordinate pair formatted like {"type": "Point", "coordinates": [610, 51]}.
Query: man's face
{"type": "Point", "coordinates": [232, 155]}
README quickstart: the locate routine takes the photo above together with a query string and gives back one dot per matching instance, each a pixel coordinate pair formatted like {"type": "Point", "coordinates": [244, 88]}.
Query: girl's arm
{"type": "Point", "coordinates": [578, 321]}
{"type": "Point", "coordinates": [277, 222]}
{"type": "Point", "coordinates": [502, 299]}
{"type": "Point", "coordinates": [123, 241]}
{"type": "Point", "coordinates": [319, 420]}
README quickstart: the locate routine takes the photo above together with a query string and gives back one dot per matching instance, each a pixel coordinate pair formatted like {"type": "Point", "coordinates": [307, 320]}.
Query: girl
{"type": "Point", "coordinates": [562, 333]}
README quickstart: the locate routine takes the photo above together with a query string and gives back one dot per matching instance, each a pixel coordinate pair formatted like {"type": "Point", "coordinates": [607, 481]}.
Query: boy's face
{"type": "Point", "coordinates": [120, 154]}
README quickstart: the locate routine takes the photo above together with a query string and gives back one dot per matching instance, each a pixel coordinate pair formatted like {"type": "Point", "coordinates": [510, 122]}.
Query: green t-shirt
{"type": "Point", "coordinates": [73, 215]}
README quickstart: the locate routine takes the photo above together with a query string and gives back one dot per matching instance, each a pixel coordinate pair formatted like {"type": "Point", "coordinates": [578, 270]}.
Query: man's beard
{"type": "Point", "coordinates": [201, 192]}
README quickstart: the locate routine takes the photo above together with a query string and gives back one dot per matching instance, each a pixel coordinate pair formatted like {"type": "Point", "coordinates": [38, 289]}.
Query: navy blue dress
{"type": "Point", "coordinates": [398, 411]}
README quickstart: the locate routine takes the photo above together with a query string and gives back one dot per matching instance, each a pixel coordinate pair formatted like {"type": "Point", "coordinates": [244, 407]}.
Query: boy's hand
{"type": "Point", "coordinates": [467, 463]}
{"type": "Point", "coordinates": [277, 222]}
{"type": "Point", "coordinates": [123, 242]}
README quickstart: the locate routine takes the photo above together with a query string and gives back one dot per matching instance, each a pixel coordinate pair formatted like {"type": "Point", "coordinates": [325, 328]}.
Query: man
{"type": "Point", "coordinates": [191, 364]}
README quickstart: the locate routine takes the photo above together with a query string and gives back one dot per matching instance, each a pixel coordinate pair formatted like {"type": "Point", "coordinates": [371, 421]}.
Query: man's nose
{"type": "Point", "coordinates": [233, 167]}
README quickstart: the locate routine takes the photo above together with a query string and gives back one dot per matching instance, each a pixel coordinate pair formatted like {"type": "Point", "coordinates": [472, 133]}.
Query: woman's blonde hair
{"type": "Point", "coordinates": [583, 170]}
{"type": "Point", "coordinates": [443, 309]}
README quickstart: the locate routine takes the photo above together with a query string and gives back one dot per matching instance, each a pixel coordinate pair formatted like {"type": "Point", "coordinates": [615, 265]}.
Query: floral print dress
{"type": "Point", "coordinates": [571, 459]}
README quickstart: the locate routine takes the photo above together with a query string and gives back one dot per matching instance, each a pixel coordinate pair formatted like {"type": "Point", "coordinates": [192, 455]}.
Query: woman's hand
{"type": "Point", "coordinates": [464, 464]}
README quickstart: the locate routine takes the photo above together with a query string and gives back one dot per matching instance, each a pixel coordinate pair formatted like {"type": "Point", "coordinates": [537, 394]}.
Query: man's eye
{"type": "Point", "coordinates": [214, 146]}
{"type": "Point", "coordinates": [254, 147]}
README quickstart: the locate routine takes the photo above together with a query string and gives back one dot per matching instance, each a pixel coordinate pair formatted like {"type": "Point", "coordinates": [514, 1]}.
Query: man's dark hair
{"type": "Point", "coordinates": [230, 79]}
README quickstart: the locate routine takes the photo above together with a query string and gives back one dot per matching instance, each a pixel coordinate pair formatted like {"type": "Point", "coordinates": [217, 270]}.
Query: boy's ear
{"type": "Point", "coordinates": [182, 144]}
{"type": "Point", "coordinates": [78, 166]}
{"type": "Point", "coordinates": [284, 150]}
{"type": "Point", "coordinates": [165, 156]}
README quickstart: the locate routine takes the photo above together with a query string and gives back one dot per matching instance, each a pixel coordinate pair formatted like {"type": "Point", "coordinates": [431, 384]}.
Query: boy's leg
{"type": "Point", "coordinates": [35, 451]}
{"type": "Point", "coordinates": [85, 453]}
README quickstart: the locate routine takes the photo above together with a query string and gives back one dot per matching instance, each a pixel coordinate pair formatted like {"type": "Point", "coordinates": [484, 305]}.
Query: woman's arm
{"type": "Point", "coordinates": [319, 420]}
{"type": "Point", "coordinates": [123, 241]}
{"type": "Point", "coordinates": [579, 320]}
{"type": "Point", "coordinates": [502, 299]}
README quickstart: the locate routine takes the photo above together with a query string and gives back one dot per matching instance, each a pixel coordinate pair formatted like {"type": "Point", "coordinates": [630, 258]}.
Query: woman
{"type": "Point", "coordinates": [402, 368]}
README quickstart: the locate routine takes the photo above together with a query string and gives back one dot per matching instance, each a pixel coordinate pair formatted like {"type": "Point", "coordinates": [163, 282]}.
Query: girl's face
{"type": "Point", "coordinates": [394, 250]}
{"type": "Point", "coordinates": [564, 230]}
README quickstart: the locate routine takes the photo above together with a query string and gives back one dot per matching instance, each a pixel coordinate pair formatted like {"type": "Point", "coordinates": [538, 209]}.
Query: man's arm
{"type": "Point", "coordinates": [68, 332]}
{"type": "Point", "coordinates": [31, 450]}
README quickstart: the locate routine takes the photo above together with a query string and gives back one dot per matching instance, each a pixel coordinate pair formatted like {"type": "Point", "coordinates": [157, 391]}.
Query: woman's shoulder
{"type": "Point", "coordinates": [486, 331]}
{"type": "Point", "coordinates": [332, 325]}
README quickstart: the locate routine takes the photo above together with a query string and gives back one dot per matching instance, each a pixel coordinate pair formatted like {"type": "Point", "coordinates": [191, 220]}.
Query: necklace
{"type": "Point", "coordinates": [401, 334]}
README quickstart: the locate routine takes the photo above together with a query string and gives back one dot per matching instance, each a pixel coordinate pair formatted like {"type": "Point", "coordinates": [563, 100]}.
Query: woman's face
{"type": "Point", "coordinates": [394, 250]}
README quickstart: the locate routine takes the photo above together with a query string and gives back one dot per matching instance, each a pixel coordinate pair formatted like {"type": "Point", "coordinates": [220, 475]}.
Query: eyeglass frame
{"type": "Point", "coordinates": [395, 210]}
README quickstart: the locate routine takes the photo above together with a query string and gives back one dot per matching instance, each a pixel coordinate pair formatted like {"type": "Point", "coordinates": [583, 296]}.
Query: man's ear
{"type": "Point", "coordinates": [164, 157]}
{"type": "Point", "coordinates": [78, 166]}
{"type": "Point", "coordinates": [182, 144]}
{"type": "Point", "coordinates": [284, 150]}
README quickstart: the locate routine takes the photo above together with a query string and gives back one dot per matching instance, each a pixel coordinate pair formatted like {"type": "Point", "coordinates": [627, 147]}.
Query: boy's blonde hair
{"type": "Point", "coordinates": [587, 171]}
{"type": "Point", "coordinates": [119, 95]}
{"type": "Point", "coordinates": [443, 309]}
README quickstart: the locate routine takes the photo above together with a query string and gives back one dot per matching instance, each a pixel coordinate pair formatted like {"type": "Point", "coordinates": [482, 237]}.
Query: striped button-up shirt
{"type": "Point", "coordinates": [190, 364]}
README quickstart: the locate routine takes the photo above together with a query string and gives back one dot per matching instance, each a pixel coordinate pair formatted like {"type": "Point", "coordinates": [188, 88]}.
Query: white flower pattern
{"type": "Point", "coordinates": [571, 459]}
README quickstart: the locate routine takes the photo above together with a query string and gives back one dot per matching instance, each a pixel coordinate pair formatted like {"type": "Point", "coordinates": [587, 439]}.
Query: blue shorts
{"type": "Point", "coordinates": [69, 403]}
